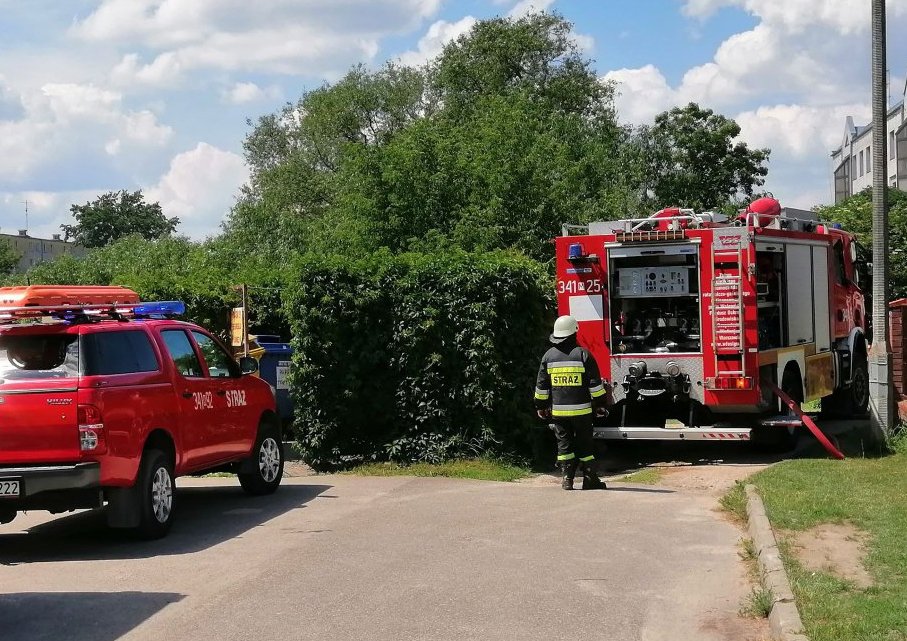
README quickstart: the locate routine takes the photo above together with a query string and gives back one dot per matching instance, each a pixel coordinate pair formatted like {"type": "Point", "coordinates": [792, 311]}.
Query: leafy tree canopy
{"type": "Point", "coordinates": [114, 215]}
{"type": "Point", "coordinates": [505, 136]}
{"type": "Point", "coordinates": [693, 159]}
{"type": "Point", "coordinates": [855, 215]}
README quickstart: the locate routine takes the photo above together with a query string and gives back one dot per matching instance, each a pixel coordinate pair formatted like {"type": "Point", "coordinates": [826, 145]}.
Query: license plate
{"type": "Point", "coordinates": [9, 489]}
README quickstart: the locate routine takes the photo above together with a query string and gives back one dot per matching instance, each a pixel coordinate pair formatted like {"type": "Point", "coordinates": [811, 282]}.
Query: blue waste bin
{"type": "Point", "coordinates": [274, 366]}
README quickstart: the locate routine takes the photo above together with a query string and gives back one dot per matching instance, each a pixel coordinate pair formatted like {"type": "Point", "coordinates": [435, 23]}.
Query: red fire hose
{"type": "Point", "coordinates": [807, 421]}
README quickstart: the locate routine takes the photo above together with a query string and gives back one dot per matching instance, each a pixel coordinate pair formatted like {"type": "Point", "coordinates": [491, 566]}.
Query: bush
{"type": "Point", "coordinates": [416, 357]}
{"type": "Point", "coordinates": [200, 274]}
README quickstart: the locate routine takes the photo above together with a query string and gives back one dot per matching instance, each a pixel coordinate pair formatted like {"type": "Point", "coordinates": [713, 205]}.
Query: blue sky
{"type": "Point", "coordinates": [99, 95]}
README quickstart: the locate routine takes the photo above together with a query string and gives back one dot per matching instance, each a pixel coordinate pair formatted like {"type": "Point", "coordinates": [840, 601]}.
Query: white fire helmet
{"type": "Point", "coordinates": [564, 327]}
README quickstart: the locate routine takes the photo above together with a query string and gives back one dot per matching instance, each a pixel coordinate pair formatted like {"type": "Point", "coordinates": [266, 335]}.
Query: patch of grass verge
{"type": "Point", "coordinates": [645, 476]}
{"type": "Point", "coordinates": [480, 469]}
{"type": "Point", "coordinates": [735, 501]}
{"type": "Point", "coordinates": [757, 604]}
{"type": "Point", "coordinates": [868, 493]}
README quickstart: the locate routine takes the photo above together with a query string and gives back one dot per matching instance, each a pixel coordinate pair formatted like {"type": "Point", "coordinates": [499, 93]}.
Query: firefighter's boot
{"type": "Point", "coordinates": [568, 470]}
{"type": "Point", "coordinates": [591, 480]}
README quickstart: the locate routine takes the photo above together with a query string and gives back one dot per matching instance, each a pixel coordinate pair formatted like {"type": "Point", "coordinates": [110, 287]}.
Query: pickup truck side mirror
{"type": "Point", "coordinates": [248, 365]}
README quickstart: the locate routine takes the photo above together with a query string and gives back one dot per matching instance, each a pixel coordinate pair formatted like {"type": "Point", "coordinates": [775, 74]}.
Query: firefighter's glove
{"type": "Point", "coordinates": [544, 414]}
{"type": "Point", "coordinates": [601, 412]}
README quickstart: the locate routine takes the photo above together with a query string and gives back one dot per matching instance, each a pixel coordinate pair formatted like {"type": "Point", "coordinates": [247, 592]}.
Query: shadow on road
{"type": "Point", "coordinates": [626, 456]}
{"type": "Point", "coordinates": [205, 516]}
{"type": "Point", "coordinates": [77, 616]}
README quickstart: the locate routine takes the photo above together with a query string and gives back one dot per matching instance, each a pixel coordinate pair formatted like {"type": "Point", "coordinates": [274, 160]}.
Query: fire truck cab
{"type": "Point", "coordinates": [694, 317]}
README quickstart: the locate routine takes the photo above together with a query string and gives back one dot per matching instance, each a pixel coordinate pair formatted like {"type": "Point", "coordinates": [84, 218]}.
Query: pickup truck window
{"type": "Point", "coordinates": [220, 364]}
{"type": "Point", "coordinates": [125, 352]}
{"type": "Point", "coordinates": [182, 353]}
{"type": "Point", "coordinates": [33, 356]}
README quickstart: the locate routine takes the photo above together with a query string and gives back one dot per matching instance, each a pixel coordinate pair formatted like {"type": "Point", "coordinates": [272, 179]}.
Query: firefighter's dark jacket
{"type": "Point", "coordinates": [568, 382]}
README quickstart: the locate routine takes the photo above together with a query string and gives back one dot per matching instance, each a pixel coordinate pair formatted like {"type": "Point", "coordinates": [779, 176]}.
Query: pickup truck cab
{"type": "Point", "coordinates": [106, 401]}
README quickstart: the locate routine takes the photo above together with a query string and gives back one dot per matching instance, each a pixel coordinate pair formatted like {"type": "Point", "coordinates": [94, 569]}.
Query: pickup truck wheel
{"type": "Point", "coordinates": [266, 467]}
{"type": "Point", "coordinates": [7, 516]}
{"type": "Point", "coordinates": [155, 493]}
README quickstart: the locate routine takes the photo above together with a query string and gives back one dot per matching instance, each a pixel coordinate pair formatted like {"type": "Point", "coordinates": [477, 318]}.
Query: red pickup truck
{"type": "Point", "coordinates": [105, 401]}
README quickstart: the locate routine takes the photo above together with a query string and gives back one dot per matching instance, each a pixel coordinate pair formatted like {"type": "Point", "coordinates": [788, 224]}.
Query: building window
{"type": "Point", "coordinates": [868, 160]}
{"type": "Point", "coordinates": [891, 147]}
{"type": "Point", "coordinates": [853, 167]}
{"type": "Point", "coordinates": [861, 163]}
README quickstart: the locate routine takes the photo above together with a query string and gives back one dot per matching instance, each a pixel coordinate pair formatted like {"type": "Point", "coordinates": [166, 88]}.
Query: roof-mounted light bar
{"type": "Point", "coordinates": [163, 309]}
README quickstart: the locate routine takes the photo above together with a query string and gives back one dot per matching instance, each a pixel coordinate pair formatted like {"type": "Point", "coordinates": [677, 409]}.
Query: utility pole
{"type": "Point", "coordinates": [880, 397]}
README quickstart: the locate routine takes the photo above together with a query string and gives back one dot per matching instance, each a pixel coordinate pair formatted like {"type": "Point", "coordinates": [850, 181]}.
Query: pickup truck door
{"type": "Point", "coordinates": [197, 398]}
{"type": "Point", "coordinates": [237, 422]}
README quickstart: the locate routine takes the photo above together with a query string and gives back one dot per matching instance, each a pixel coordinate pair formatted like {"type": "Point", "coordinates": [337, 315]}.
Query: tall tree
{"type": "Point", "coordinates": [117, 214]}
{"type": "Point", "coordinates": [494, 144]}
{"type": "Point", "coordinates": [693, 159]}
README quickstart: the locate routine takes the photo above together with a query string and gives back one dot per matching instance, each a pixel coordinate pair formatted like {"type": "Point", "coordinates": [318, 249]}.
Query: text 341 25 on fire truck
{"type": "Point", "coordinates": [106, 400]}
{"type": "Point", "coordinates": [695, 318]}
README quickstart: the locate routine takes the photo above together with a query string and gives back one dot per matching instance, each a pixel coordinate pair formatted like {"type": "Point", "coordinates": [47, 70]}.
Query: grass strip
{"type": "Point", "coordinates": [870, 494]}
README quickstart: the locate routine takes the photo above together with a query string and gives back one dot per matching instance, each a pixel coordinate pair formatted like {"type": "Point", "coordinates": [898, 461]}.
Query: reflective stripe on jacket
{"type": "Point", "coordinates": [568, 382]}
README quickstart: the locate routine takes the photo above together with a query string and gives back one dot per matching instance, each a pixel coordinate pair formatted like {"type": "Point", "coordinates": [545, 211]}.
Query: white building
{"type": "Point", "coordinates": [33, 251]}
{"type": "Point", "coordinates": [852, 161]}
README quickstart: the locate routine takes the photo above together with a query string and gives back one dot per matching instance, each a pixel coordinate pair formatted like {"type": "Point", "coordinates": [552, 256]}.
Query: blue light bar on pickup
{"type": "Point", "coordinates": [162, 308]}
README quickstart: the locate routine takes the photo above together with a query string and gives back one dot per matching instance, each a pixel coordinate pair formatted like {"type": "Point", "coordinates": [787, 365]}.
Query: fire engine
{"type": "Point", "coordinates": [717, 327]}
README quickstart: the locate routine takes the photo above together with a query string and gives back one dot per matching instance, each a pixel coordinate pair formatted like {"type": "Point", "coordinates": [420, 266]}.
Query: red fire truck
{"type": "Point", "coordinates": [704, 323]}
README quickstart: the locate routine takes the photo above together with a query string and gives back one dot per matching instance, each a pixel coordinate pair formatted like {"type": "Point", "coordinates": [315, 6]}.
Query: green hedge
{"type": "Point", "coordinates": [416, 357]}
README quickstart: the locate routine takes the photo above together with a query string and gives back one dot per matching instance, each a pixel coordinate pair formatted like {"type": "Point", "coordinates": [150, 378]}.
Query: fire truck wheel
{"type": "Point", "coordinates": [858, 394]}
{"type": "Point", "coordinates": [155, 495]}
{"type": "Point", "coordinates": [781, 439]}
{"type": "Point", "coordinates": [852, 402]}
{"type": "Point", "coordinates": [264, 470]}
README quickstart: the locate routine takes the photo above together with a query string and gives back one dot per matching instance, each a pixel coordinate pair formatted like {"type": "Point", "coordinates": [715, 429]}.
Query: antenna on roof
{"type": "Point", "coordinates": [26, 216]}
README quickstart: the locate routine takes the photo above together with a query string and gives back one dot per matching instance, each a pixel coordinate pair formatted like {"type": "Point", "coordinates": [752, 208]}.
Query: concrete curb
{"type": "Point", "coordinates": [784, 618]}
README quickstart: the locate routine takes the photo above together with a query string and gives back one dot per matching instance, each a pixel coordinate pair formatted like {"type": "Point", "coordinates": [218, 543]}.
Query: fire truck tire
{"type": "Point", "coordinates": [155, 493]}
{"type": "Point", "coordinates": [853, 401]}
{"type": "Point", "coordinates": [262, 472]}
{"type": "Point", "coordinates": [857, 400]}
{"type": "Point", "coordinates": [781, 439]}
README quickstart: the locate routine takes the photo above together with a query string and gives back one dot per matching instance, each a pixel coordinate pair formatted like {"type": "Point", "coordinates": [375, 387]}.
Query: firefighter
{"type": "Point", "coordinates": [568, 391]}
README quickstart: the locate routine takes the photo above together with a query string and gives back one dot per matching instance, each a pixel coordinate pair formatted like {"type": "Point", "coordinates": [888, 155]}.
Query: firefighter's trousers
{"type": "Point", "coordinates": [574, 439]}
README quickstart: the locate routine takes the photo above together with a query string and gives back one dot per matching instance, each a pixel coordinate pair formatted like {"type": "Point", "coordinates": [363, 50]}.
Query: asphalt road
{"type": "Point", "coordinates": [385, 559]}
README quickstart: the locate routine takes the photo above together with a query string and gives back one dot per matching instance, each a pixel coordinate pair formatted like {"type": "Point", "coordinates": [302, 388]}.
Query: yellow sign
{"type": "Point", "coordinates": [566, 380]}
{"type": "Point", "coordinates": [236, 326]}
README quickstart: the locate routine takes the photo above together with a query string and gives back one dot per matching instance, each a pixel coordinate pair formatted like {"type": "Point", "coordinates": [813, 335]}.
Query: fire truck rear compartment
{"type": "Point", "coordinates": [654, 299]}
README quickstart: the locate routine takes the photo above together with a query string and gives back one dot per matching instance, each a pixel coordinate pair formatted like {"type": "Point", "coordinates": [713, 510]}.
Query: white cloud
{"type": "Point", "coordinates": [62, 118]}
{"type": "Point", "coordinates": [798, 131]}
{"type": "Point", "coordinates": [200, 187]}
{"type": "Point", "coordinates": [438, 35]}
{"type": "Point", "coordinates": [245, 92]}
{"type": "Point", "coordinates": [164, 71]}
{"type": "Point", "coordinates": [844, 16]}
{"type": "Point", "coordinates": [318, 37]}
{"type": "Point", "coordinates": [525, 7]}
{"type": "Point", "coordinates": [641, 93]}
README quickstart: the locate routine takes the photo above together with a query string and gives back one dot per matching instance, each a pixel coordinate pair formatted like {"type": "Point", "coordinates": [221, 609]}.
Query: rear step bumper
{"type": "Point", "coordinates": [38, 479]}
{"type": "Point", "coordinates": [673, 433]}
